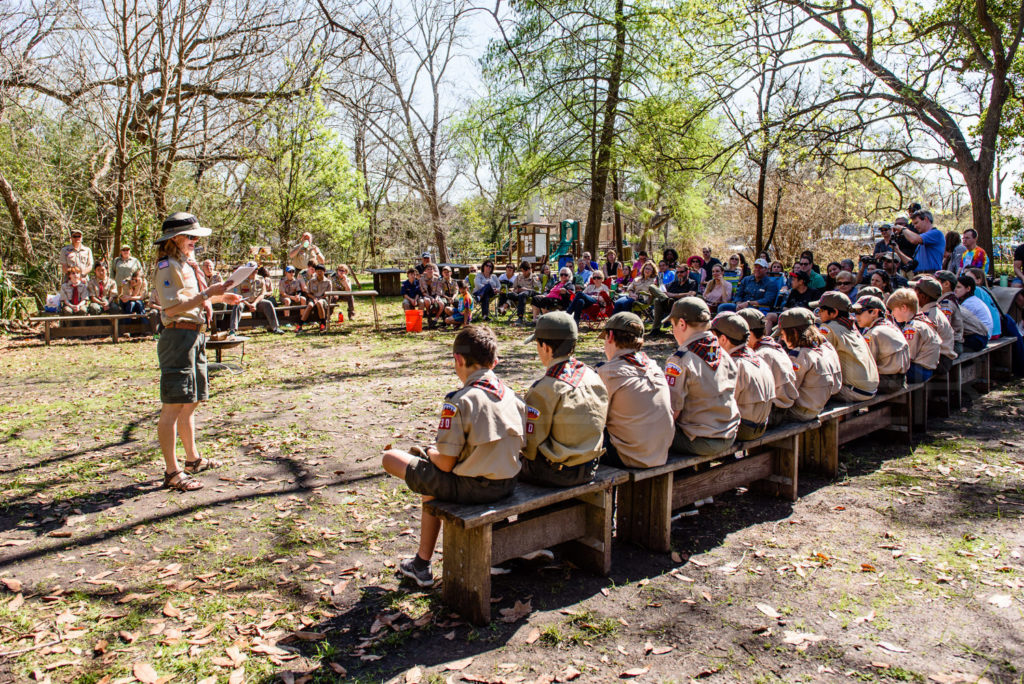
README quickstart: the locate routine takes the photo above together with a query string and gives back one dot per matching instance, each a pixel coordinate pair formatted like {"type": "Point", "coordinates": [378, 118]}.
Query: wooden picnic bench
{"type": "Point", "coordinates": [99, 325]}
{"type": "Point", "coordinates": [533, 518]}
{"type": "Point", "coordinates": [645, 502]}
{"type": "Point", "coordinates": [248, 320]}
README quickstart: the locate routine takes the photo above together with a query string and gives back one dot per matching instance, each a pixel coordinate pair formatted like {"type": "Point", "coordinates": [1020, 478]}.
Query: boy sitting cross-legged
{"type": "Point", "coordinates": [476, 458]}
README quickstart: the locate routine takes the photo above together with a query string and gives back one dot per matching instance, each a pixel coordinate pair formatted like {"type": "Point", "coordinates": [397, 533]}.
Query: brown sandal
{"type": "Point", "coordinates": [181, 481]}
{"type": "Point", "coordinates": [200, 464]}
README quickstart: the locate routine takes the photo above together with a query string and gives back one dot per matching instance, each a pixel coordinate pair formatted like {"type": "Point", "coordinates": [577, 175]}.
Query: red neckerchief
{"type": "Point", "coordinates": [495, 388]}
{"type": "Point", "coordinates": [637, 358]}
{"type": "Point", "coordinates": [74, 295]}
{"type": "Point", "coordinates": [201, 279]}
{"type": "Point", "coordinates": [569, 371]}
{"type": "Point", "coordinates": [745, 352]}
{"type": "Point", "coordinates": [924, 317]}
{"type": "Point", "coordinates": [708, 349]}
{"type": "Point", "coordinates": [844, 319]}
{"type": "Point", "coordinates": [766, 342]}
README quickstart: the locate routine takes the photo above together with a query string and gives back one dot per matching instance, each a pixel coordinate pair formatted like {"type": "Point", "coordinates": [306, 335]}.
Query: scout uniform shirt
{"type": "Point", "coordinates": [105, 290]}
{"type": "Point", "coordinates": [923, 340]}
{"type": "Point", "coordinates": [482, 428]}
{"type": "Point", "coordinates": [81, 257]}
{"type": "Point", "coordinates": [250, 288]}
{"type": "Point", "coordinates": [942, 327]}
{"type": "Point", "coordinates": [772, 353]}
{"type": "Point", "coordinates": [702, 385]}
{"type": "Point", "coordinates": [318, 289]}
{"type": "Point", "coordinates": [67, 293]}
{"type": "Point", "coordinates": [859, 369]}
{"type": "Point", "coordinates": [951, 307]}
{"type": "Point", "coordinates": [565, 414]}
{"type": "Point", "coordinates": [755, 387]}
{"type": "Point", "coordinates": [122, 269]}
{"type": "Point", "coordinates": [305, 255]}
{"type": "Point", "coordinates": [176, 282]}
{"type": "Point", "coordinates": [639, 419]}
{"type": "Point", "coordinates": [818, 377]}
{"type": "Point", "coordinates": [889, 347]}
{"type": "Point", "coordinates": [449, 288]}
{"type": "Point", "coordinates": [430, 288]}
{"type": "Point", "coordinates": [291, 288]}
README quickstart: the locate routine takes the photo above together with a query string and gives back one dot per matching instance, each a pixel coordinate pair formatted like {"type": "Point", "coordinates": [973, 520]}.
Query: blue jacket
{"type": "Point", "coordinates": [764, 292]}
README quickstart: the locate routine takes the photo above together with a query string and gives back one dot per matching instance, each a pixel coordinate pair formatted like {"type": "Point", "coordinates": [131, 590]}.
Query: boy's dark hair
{"type": "Point", "coordinates": [411, 270]}
{"type": "Point", "coordinates": [829, 309]}
{"type": "Point", "coordinates": [625, 340]}
{"type": "Point", "coordinates": [972, 231]}
{"type": "Point", "coordinates": [968, 282]}
{"type": "Point", "coordinates": [477, 345]}
{"type": "Point", "coordinates": [559, 347]}
{"type": "Point", "coordinates": [310, 263]}
{"type": "Point", "coordinates": [913, 208]}
{"type": "Point", "coordinates": [803, 276]}
{"type": "Point", "coordinates": [262, 271]}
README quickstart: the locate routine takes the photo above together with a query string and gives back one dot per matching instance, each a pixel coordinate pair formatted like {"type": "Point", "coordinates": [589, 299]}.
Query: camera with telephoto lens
{"type": "Point", "coordinates": [867, 259]}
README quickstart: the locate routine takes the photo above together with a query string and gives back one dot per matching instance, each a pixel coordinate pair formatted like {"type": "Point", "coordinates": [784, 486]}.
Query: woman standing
{"type": "Point", "coordinates": [186, 311]}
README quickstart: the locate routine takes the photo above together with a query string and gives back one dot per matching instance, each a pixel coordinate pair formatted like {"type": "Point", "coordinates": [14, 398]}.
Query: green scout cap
{"type": "Point", "coordinates": [947, 276]}
{"type": "Point", "coordinates": [556, 325]}
{"type": "Point", "coordinates": [833, 300]}
{"type": "Point", "coordinates": [930, 287]}
{"type": "Point", "coordinates": [627, 322]}
{"type": "Point", "coordinates": [796, 318]}
{"type": "Point", "coordinates": [731, 325]}
{"type": "Point", "coordinates": [753, 317]}
{"type": "Point", "coordinates": [690, 309]}
{"type": "Point", "coordinates": [869, 291]}
{"type": "Point", "coordinates": [868, 303]}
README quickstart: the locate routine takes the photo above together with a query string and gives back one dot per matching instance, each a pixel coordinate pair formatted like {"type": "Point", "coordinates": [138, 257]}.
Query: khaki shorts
{"type": "Point", "coordinates": [182, 355]}
{"type": "Point", "coordinates": [423, 477]}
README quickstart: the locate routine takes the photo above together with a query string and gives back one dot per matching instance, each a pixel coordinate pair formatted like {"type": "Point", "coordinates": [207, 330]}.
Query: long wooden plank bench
{"type": "Point", "coordinates": [645, 503]}
{"type": "Point", "coordinates": [99, 325]}
{"type": "Point", "coordinates": [475, 537]}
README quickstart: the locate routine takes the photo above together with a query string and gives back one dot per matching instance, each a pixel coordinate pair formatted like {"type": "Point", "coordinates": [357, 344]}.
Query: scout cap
{"type": "Point", "coordinates": [762, 263]}
{"type": "Point", "coordinates": [731, 325]}
{"type": "Point", "coordinates": [930, 287]}
{"type": "Point", "coordinates": [627, 322]}
{"type": "Point", "coordinates": [796, 318]}
{"type": "Point", "coordinates": [869, 291]}
{"type": "Point", "coordinates": [833, 300]}
{"type": "Point", "coordinates": [181, 223]}
{"type": "Point", "coordinates": [76, 231]}
{"type": "Point", "coordinates": [868, 303]}
{"type": "Point", "coordinates": [690, 309]}
{"type": "Point", "coordinates": [556, 325]}
{"type": "Point", "coordinates": [753, 317]}
{"type": "Point", "coordinates": [947, 276]}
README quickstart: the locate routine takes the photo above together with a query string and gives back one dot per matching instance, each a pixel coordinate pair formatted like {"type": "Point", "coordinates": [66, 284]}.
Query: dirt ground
{"type": "Point", "coordinates": [907, 568]}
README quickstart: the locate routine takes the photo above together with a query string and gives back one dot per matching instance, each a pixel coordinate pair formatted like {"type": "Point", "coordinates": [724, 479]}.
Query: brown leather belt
{"type": "Point", "coordinates": [186, 325]}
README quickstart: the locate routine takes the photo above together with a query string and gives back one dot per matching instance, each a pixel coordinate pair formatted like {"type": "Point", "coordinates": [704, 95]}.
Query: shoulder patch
{"type": "Point", "coordinates": [532, 413]}
{"type": "Point", "coordinates": [448, 411]}
{"type": "Point", "coordinates": [824, 330]}
{"type": "Point", "coordinates": [163, 263]}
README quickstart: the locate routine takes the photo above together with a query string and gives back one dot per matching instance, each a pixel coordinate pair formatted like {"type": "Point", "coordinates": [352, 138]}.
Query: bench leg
{"type": "Point", "coordinates": [466, 587]}
{"type": "Point", "coordinates": [785, 464]}
{"type": "Point", "coordinates": [820, 449]}
{"type": "Point", "coordinates": [46, 332]}
{"type": "Point", "coordinates": [644, 513]}
{"type": "Point", "coordinates": [115, 322]}
{"type": "Point", "coordinates": [593, 551]}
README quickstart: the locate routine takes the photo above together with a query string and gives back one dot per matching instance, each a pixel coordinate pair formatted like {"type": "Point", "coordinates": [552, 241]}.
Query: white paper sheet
{"type": "Point", "coordinates": [240, 274]}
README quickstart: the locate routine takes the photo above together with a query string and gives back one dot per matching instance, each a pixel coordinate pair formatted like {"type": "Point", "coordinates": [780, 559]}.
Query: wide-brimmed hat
{"type": "Point", "coordinates": [181, 223]}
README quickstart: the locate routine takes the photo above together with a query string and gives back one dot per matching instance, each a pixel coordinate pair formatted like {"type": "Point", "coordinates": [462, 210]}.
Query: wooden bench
{"type": "Point", "coordinates": [372, 294]}
{"type": "Point", "coordinates": [645, 502]}
{"type": "Point", "coordinates": [532, 518]}
{"type": "Point", "coordinates": [100, 325]}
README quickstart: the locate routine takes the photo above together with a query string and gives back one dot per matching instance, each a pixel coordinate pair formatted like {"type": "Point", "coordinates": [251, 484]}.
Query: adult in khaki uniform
{"type": "Point", "coordinates": [755, 386]}
{"type": "Point", "coordinates": [185, 313]}
{"type": "Point", "coordinates": [317, 289]}
{"type": "Point", "coordinates": [950, 305]}
{"type": "Point", "coordinates": [886, 342]}
{"type": "Point", "coordinates": [76, 254]}
{"type": "Point", "coordinates": [920, 333]}
{"type": "Point", "coordinates": [565, 410]}
{"type": "Point", "coordinates": [476, 457]}
{"type": "Point", "coordinates": [860, 375]}
{"type": "Point", "coordinates": [638, 430]}
{"type": "Point", "coordinates": [702, 383]}
{"type": "Point", "coordinates": [102, 292]}
{"type": "Point", "coordinates": [125, 264]}
{"type": "Point", "coordinates": [929, 292]}
{"type": "Point", "coordinates": [815, 364]}
{"type": "Point", "coordinates": [253, 293]}
{"type": "Point", "coordinates": [772, 353]}
{"type": "Point", "coordinates": [304, 252]}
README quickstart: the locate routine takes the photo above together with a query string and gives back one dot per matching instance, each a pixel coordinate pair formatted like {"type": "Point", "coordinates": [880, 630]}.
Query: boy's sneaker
{"type": "Point", "coordinates": [323, 327]}
{"type": "Point", "coordinates": [424, 577]}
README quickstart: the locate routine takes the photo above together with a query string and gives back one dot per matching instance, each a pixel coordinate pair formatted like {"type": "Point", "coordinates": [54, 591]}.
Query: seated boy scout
{"type": "Point", "coordinates": [317, 289]}
{"type": "Point", "coordinates": [886, 342]}
{"type": "Point", "coordinates": [702, 383]}
{"type": "Point", "coordinates": [772, 353]}
{"type": "Point", "coordinates": [950, 305]}
{"type": "Point", "coordinates": [755, 386]}
{"type": "Point", "coordinates": [638, 431]}
{"type": "Point", "coordinates": [565, 410]}
{"type": "Point", "coordinates": [476, 457]}
{"type": "Point", "coordinates": [920, 333]}
{"type": "Point", "coordinates": [815, 364]}
{"type": "Point", "coordinates": [102, 292]}
{"type": "Point", "coordinates": [860, 374]}
{"type": "Point", "coordinates": [929, 292]}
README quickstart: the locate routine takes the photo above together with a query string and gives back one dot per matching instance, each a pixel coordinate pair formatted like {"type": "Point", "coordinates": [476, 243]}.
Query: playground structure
{"type": "Point", "coordinates": [536, 242]}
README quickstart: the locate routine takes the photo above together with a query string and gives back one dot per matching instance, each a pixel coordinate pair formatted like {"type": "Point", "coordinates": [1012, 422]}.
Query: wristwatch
{"type": "Point", "coordinates": [205, 295]}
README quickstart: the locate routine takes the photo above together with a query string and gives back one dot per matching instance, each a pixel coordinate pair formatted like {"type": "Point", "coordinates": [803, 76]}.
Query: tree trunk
{"type": "Point", "coordinates": [17, 219]}
{"type": "Point", "coordinates": [762, 180]}
{"type": "Point", "coordinates": [981, 209]}
{"type": "Point", "coordinates": [599, 182]}
{"type": "Point", "coordinates": [617, 219]}
{"type": "Point", "coordinates": [439, 237]}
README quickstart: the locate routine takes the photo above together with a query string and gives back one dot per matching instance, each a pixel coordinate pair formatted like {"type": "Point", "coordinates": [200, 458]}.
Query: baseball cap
{"type": "Point", "coordinates": [947, 276]}
{"type": "Point", "coordinates": [627, 322]}
{"type": "Point", "coordinates": [887, 256]}
{"type": "Point", "coordinates": [425, 255]}
{"type": "Point", "coordinates": [930, 287]}
{"type": "Point", "coordinates": [753, 317]}
{"type": "Point", "coordinates": [833, 300]}
{"type": "Point", "coordinates": [76, 231]}
{"type": "Point", "coordinates": [867, 303]}
{"type": "Point", "coordinates": [124, 247]}
{"type": "Point", "coordinates": [556, 325]}
{"type": "Point", "coordinates": [289, 269]}
{"type": "Point", "coordinates": [796, 318]}
{"type": "Point", "coordinates": [731, 325]}
{"type": "Point", "coordinates": [762, 263]}
{"type": "Point", "coordinates": [690, 309]}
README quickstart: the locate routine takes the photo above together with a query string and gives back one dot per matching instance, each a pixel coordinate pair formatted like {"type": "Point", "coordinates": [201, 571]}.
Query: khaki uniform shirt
{"type": "Point", "coordinates": [641, 287]}
{"type": "Point", "coordinates": [318, 289]}
{"type": "Point", "coordinates": [923, 340]}
{"type": "Point", "coordinates": [951, 307]}
{"type": "Point", "coordinates": [340, 283]}
{"type": "Point", "coordinates": [81, 257]}
{"type": "Point", "coordinates": [305, 255]}
{"type": "Point", "coordinates": [521, 283]}
{"type": "Point", "coordinates": [859, 369]}
{"type": "Point", "coordinates": [782, 371]}
{"type": "Point", "coordinates": [565, 414]}
{"type": "Point", "coordinates": [67, 293]}
{"type": "Point", "coordinates": [290, 287]}
{"type": "Point", "coordinates": [482, 428]}
{"type": "Point", "coordinates": [105, 290]}
{"type": "Point", "coordinates": [889, 347]}
{"type": "Point", "coordinates": [122, 269]}
{"type": "Point", "coordinates": [176, 282]}
{"type": "Point", "coordinates": [639, 408]}
{"type": "Point", "coordinates": [449, 288]}
{"type": "Point", "coordinates": [305, 279]}
{"type": "Point", "coordinates": [431, 288]}
{"type": "Point", "coordinates": [702, 385]}
{"type": "Point", "coordinates": [250, 288]}
{"type": "Point", "coordinates": [755, 386]}
{"type": "Point", "coordinates": [818, 376]}
{"type": "Point", "coordinates": [942, 327]}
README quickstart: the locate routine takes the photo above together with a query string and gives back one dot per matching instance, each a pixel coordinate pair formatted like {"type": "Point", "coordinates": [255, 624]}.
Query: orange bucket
{"type": "Point", "coordinates": [414, 321]}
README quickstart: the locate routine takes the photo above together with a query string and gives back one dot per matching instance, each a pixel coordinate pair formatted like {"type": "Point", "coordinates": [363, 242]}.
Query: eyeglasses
{"type": "Point", "coordinates": [803, 263]}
